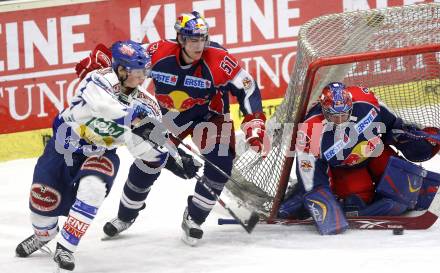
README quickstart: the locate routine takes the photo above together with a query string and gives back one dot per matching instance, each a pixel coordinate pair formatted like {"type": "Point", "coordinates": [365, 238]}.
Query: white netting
{"type": "Point", "coordinates": [409, 84]}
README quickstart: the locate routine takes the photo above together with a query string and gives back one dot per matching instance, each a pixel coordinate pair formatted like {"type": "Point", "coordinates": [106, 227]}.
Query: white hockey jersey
{"type": "Point", "coordinates": [97, 120]}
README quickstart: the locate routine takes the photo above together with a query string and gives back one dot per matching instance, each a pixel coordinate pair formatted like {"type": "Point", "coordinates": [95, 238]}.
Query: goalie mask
{"type": "Point", "coordinates": [336, 103]}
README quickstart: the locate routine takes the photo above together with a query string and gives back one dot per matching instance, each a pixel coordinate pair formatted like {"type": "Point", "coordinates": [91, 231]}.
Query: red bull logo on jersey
{"type": "Point", "coordinates": [363, 150]}
{"type": "Point", "coordinates": [165, 78]}
{"type": "Point", "coordinates": [179, 101]}
{"type": "Point", "coordinates": [191, 81]}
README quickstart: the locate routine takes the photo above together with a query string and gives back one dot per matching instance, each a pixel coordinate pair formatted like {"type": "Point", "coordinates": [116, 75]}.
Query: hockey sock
{"type": "Point", "coordinates": [45, 227]}
{"type": "Point", "coordinates": [136, 189]}
{"type": "Point", "coordinates": [91, 194]}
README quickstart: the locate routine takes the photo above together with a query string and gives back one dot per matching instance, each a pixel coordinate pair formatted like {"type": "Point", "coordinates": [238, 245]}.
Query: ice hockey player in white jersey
{"type": "Point", "coordinates": [79, 163]}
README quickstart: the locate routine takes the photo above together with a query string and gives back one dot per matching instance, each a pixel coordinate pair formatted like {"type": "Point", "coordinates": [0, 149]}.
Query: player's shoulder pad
{"type": "Point", "coordinates": [149, 101]}
{"type": "Point", "coordinates": [106, 79]}
{"type": "Point", "coordinates": [314, 115]}
{"type": "Point", "coordinates": [363, 95]}
{"type": "Point", "coordinates": [167, 47]}
{"type": "Point", "coordinates": [223, 66]}
{"type": "Point", "coordinates": [216, 45]}
{"type": "Point", "coordinates": [310, 131]}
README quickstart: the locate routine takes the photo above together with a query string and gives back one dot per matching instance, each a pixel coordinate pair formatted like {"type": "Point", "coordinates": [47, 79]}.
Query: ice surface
{"type": "Point", "coordinates": [153, 243]}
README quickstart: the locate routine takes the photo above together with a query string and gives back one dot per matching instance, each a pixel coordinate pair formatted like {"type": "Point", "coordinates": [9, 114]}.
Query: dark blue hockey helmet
{"type": "Point", "coordinates": [130, 55]}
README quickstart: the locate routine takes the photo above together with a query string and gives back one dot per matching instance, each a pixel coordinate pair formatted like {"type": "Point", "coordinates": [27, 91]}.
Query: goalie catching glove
{"type": "Point", "coordinates": [412, 141]}
{"type": "Point", "coordinates": [254, 130]}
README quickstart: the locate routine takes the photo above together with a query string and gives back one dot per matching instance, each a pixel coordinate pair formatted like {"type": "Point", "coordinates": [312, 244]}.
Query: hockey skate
{"type": "Point", "coordinates": [116, 226]}
{"type": "Point", "coordinates": [30, 245]}
{"type": "Point", "coordinates": [64, 258]}
{"type": "Point", "coordinates": [192, 232]}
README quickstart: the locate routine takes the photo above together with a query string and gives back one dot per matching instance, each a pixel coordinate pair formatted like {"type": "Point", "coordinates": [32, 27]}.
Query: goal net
{"type": "Point", "coordinates": [395, 52]}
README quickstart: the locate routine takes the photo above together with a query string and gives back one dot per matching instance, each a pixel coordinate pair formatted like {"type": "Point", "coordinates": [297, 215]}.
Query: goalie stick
{"type": "Point", "coordinates": [422, 221]}
{"type": "Point", "coordinates": [242, 215]}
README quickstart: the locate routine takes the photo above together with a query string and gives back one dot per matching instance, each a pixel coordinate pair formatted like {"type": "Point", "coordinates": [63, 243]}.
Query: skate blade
{"type": "Point", "coordinates": [109, 238]}
{"type": "Point", "coordinates": [60, 270]}
{"type": "Point", "coordinates": [189, 240]}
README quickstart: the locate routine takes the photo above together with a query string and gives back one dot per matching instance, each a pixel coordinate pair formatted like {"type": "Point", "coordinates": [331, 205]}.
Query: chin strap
{"type": "Point", "coordinates": [187, 55]}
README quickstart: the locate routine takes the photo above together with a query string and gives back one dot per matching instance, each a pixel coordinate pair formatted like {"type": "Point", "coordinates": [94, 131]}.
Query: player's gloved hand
{"type": "Point", "coordinates": [100, 57]}
{"type": "Point", "coordinates": [151, 130]}
{"type": "Point", "coordinates": [188, 167]}
{"type": "Point", "coordinates": [254, 130]}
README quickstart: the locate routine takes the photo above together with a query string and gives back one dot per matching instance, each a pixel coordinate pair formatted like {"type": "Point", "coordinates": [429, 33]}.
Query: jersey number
{"type": "Point", "coordinates": [228, 65]}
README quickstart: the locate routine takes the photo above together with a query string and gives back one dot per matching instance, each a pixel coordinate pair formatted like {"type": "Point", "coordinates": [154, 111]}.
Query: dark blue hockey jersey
{"type": "Point", "coordinates": [199, 90]}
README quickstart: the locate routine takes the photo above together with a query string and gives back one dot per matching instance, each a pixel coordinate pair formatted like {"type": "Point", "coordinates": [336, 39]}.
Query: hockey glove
{"type": "Point", "coordinates": [151, 130]}
{"type": "Point", "coordinates": [99, 58]}
{"type": "Point", "coordinates": [254, 130]}
{"type": "Point", "coordinates": [187, 169]}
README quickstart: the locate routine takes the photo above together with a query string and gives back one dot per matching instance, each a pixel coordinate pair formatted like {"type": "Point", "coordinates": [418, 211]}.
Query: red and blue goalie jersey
{"type": "Point", "coordinates": [322, 145]}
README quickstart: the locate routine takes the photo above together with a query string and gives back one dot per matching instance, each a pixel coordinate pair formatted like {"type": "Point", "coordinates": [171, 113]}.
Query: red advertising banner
{"type": "Point", "coordinates": [40, 46]}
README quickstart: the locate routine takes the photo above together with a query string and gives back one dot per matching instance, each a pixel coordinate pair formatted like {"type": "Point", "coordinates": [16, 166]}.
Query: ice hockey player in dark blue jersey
{"type": "Point", "coordinates": [193, 78]}
{"type": "Point", "coordinates": [79, 163]}
{"type": "Point", "coordinates": [345, 163]}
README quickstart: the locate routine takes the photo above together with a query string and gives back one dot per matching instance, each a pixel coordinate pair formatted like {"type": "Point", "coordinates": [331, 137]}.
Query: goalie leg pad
{"type": "Point", "coordinates": [401, 181]}
{"type": "Point", "coordinates": [325, 210]}
{"type": "Point", "coordinates": [428, 191]}
{"type": "Point", "coordinates": [384, 207]}
{"type": "Point", "coordinates": [293, 205]}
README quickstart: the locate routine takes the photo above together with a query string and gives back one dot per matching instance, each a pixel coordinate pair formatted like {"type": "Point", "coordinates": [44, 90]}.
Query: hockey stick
{"type": "Point", "coordinates": [249, 221]}
{"type": "Point", "coordinates": [159, 136]}
{"type": "Point", "coordinates": [423, 221]}
{"type": "Point", "coordinates": [232, 178]}
{"type": "Point", "coordinates": [248, 224]}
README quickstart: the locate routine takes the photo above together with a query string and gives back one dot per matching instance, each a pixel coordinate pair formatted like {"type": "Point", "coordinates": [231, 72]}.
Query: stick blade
{"type": "Point", "coordinates": [252, 222]}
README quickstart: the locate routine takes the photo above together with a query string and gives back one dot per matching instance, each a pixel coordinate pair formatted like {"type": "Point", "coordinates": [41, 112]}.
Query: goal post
{"type": "Point", "coordinates": [395, 52]}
